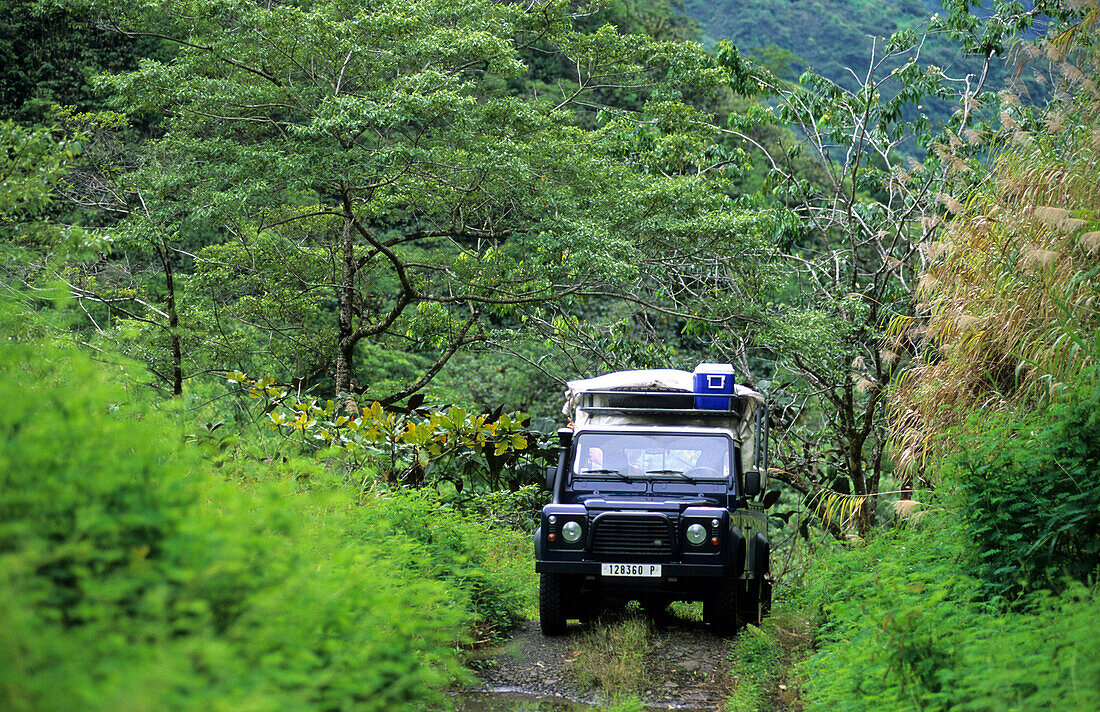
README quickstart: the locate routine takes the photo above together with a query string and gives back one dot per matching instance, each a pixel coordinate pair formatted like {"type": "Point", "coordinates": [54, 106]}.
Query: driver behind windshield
{"type": "Point", "coordinates": [593, 460]}
{"type": "Point", "coordinates": [638, 455]}
{"type": "Point", "coordinates": [714, 458]}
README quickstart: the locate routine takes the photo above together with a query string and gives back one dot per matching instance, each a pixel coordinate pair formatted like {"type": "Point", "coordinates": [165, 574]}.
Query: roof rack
{"type": "Point", "coordinates": [658, 403]}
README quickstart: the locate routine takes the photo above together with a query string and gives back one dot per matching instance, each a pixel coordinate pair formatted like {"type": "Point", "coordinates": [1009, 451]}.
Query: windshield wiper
{"type": "Point", "coordinates": [678, 473]}
{"type": "Point", "coordinates": [621, 476]}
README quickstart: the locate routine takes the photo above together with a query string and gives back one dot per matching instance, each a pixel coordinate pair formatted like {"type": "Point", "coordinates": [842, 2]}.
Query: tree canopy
{"type": "Point", "coordinates": [336, 172]}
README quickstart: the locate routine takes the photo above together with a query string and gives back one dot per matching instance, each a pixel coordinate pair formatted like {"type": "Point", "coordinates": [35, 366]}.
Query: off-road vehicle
{"type": "Point", "coordinates": [656, 499]}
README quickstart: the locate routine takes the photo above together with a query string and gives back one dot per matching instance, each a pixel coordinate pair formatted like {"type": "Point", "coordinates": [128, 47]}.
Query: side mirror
{"type": "Point", "coordinates": [752, 484]}
{"type": "Point", "coordinates": [551, 475]}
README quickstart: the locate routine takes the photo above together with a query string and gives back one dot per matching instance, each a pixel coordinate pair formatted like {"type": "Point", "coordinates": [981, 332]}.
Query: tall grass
{"type": "Point", "coordinates": [1011, 290]}
{"type": "Point", "coordinates": [611, 657]}
{"type": "Point", "coordinates": [988, 601]}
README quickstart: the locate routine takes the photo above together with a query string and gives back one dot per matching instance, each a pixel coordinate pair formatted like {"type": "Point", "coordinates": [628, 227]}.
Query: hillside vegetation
{"type": "Point", "coordinates": [832, 36]}
{"type": "Point", "coordinates": [984, 595]}
{"type": "Point", "coordinates": [282, 286]}
{"type": "Point", "coordinates": [137, 574]}
{"type": "Point", "coordinates": [836, 38]}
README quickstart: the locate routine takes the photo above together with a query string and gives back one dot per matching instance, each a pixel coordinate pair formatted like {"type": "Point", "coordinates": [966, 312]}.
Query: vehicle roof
{"type": "Point", "coordinates": [664, 379]}
{"type": "Point", "coordinates": [651, 429]}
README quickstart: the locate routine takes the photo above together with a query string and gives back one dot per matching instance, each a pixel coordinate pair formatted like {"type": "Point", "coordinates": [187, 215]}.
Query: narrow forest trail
{"type": "Point", "coordinates": [681, 666]}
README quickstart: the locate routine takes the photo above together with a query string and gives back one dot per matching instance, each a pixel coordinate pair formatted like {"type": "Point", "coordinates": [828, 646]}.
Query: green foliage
{"type": "Point", "coordinates": [854, 211]}
{"type": "Point", "coordinates": [1044, 657]}
{"type": "Point", "coordinates": [660, 19]}
{"type": "Point", "coordinates": [834, 39]}
{"type": "Point", "coordinates": [1033, 494]}
{"type": "Point", "coordinates": [1003, 301]}
{"type": "Point", "coordinates": [129, 578]}
{"type": "Point", "coordinates": [626, 703]}
{"type": "Point", "coordinates": [486, 570]}
{"type": "Point", "coordinates": [518, 510]}
{"type": "Point", "coordinates": [413, 445]}
{"type": "Point", "coordinates": [828, 37]}
{"type": "Point", "coordinates": [50, 54]}
{"type": "Point", "coordinates": [763, 659]}
{"type": "Point", "coordinates": [477, 544]}
{"type": "Point", "coordinates": [483, 379]}
{"type": "Point", "coordinates": [756, 663]}
{"type": "Point", "coordinates": [986, 598]}
{"type": "Point", "coordinates": [367, 176]}
{"type": "Point", "coordinates": [884, 611]}
{"type": "Point", "coordinates": [32, 163]}
{"type": "Point", "coordinates": [902, 626]}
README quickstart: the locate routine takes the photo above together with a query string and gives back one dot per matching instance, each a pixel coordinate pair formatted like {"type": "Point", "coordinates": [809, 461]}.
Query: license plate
{"type": "Point", "coordinates": [645, 570]}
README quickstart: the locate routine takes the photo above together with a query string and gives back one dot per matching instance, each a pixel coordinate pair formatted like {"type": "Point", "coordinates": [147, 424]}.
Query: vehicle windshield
{"type": "Point", "coordinates": [643, 455]}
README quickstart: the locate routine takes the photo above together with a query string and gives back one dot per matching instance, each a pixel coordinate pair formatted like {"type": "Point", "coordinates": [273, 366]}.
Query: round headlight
{"type": "Point", "coordinates": [696, 534]}
{"type": "Point", "coordinates": [571, 532]}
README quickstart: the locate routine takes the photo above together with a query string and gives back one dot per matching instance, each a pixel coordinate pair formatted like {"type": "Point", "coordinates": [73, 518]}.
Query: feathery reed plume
{"type": "Point", "coordinates": [1007, 293]}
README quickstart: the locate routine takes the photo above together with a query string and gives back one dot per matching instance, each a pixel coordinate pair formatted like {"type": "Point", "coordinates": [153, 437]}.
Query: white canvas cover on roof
{"type": "Point", "coordinates": [655, 378]}
{"type": "Point", "coordinates": [666, 379]}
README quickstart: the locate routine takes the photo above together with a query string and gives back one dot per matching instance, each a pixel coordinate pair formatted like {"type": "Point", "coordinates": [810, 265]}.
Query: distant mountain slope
{"type": "Point", "coordinates": [835, 38]}
{"type": "Point", "coordinates": [830, 35]}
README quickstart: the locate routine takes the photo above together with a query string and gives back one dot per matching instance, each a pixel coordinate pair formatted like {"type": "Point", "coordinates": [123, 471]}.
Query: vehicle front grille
{"type": "Point", "coordinates": [615, 536]}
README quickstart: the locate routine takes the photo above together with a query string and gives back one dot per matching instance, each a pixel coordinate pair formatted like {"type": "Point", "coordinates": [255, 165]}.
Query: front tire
{"type": "Point", "coordinates": [721, 608]}
{"type": "Point", "coordinates": [552, 604]}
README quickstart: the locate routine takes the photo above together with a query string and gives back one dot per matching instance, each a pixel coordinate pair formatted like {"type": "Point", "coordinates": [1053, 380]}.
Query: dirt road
{"type": "Point", "coordinates": [686, 666]}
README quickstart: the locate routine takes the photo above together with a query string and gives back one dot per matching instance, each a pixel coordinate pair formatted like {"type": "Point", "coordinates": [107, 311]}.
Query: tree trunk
{"type": "Point", "coordinates": [345, 299]}
{"type": "Point", "coordinates": [173, 321]}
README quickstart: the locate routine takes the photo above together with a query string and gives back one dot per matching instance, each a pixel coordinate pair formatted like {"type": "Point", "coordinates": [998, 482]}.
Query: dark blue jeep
{"type": "Point", "coordinates": [656, 500]}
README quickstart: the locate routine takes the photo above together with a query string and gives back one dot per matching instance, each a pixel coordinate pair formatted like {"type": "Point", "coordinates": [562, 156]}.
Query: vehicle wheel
{"type": "Point", "coordinates": [721, 609]}
{"type": "Point", "coordinates": [764, 602]}
{"type": "Point", "coordinates": [552, 604]}
{"type": "Point", "coordinates": [765, 598]}
{"type": "Point", "coordinates": [758, 601]}
{"type": "Point", "coordinates": [656, 609]}
{"type": "Point", "coordinates": [749, 602]}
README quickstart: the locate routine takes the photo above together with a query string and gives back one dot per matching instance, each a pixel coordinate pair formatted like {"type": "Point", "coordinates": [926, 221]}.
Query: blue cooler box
{"type": "Point", "coordinates": [713, 382]}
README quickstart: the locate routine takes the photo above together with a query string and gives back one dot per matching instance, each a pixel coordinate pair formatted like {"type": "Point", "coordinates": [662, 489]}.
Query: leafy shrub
{"type": "Point", "coordinates": [132, 579]}
{"type": "Point", "coordinates": [887, 612]}
{"type": "Point", "coordinates": [1044, 657]}
{"type": "Point", "coordinates": [489, 571]}
{"type": "Point", "coordinates": [901, 626]}
{"type": "Point", "coordinates": [520, 510]}
{"type": "Point", "coordinates": [1033, 497]}
{"type": "Point", "coordinates": [411, 445]}
{"type": "Point", "coordinates": [762, 656]}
